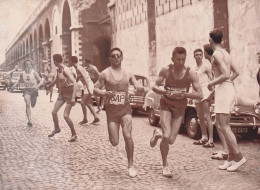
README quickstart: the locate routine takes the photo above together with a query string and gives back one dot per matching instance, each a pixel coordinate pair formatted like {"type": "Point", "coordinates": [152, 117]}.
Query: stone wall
{"type": "Point", "coordinates": [244, 34]}
{"type": "Point", "coordinates": [186, 26]}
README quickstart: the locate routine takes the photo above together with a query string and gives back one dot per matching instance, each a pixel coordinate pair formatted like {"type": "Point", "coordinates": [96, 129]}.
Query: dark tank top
{"type": "Point", "coordinates": [120, 87]}
{"type": "Point", "coordinates": [174, 84]}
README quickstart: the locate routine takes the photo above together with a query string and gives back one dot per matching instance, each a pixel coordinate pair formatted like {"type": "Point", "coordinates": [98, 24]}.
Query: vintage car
{"type": "Point", "coordinates": [136, 98]}
{"type": "Point", "coordinates": [244, 120]}
{"type": "Point", "coordinates": [3, 80]}
{"type": "Point", "coordinates": [14, 77]}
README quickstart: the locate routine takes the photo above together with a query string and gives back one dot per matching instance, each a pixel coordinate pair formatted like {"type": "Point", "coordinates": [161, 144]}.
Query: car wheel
{"type": "Point", "coordinates": [153, 119]}
{"type": "Point", "coordinates": [192, 126]}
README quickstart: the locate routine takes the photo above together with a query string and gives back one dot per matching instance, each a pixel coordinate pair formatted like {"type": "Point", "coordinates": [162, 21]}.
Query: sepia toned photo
{"type": "Point", "coordinates": [129, 94]}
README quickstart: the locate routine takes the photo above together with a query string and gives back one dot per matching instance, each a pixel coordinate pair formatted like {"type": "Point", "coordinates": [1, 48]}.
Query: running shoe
{"type": "Point", "coordinates": [156, 135]}
{"type": "Point", "coordinates": [225, 165]}
{"type": "Point", "coordinates": [53, 133]}
{"type": "Point", "coordinates": [73, 138]}
{"type": "Point", "coordinates": [167, 172]}
{"type": "Point", "coordinates": [235, 165]}
{"type": "Point", "coordinates": [96, 121]}
{"type": "Point", "coordinates": [132, 172]}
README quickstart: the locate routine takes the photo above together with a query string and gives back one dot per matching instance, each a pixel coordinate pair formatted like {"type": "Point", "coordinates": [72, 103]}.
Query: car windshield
{"type": "Point", "coordinates": [142, 80]}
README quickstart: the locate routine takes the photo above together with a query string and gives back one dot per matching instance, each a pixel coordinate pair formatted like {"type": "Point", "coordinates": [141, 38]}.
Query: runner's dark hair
{"type": "Point", "coordinates": [116, 49]}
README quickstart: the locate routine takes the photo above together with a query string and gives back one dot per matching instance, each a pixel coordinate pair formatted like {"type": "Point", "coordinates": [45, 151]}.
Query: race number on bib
{"type": "Point", "coordinates": [118, 99]}
{"type": "Point", "coordinates": [174, 89]}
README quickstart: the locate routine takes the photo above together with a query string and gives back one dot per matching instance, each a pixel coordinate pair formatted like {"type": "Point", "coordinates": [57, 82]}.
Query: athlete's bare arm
{"type": "Point", "coordinates": [99, 85]}
{"type": "Point", "coordinates": [159, 81]}
{"type": "Point", "coordinates": [136, 84]}
{"type": "Point", "coordinates": [81, 71]}
{"type": "Point", "coordinates": [18, 82]}
{"type": "Point", "coordinates": [39, 79]}
{"type": "Point", "coordinates": [96, 70]}
{"type": "Point", "coordinates": [73, 80]}
{"type": "Point", "coordinates": [225, 73]}
{"type": "Point", "coordinates": [197, 93]}
{"type": "Point", "coordinates": [208, 69]}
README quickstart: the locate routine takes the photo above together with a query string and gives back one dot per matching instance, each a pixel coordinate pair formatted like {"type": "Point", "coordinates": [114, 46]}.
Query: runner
{"type": "Point", "coordinates": [67, 91]}
{"type": "Point", "coordinates": [116, 81]}
{"type": "Point", "coordinates": [224, 99]}
{"type": "Point", "coordinates": [178, 79]}
{"type": "Point", "coordinates": [29, 78]}
{"type": "Point", "coordinates": [49, 79]}
{"type": "Point", "coordinates": [86, 100]}
{"type": "Point", "coordinates": [204, 72]}
{"type": "Point", "coordinates": [94, 75]}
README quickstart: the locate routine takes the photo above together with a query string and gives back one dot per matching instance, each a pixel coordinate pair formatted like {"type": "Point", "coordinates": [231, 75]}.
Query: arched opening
{"type": "Point", "coordinates": [66, 33]}
{"type": "Point", "coordinates": [23, 48]}
{"type": "Point", "coordinates": [35, 53]}
{"type": "Point", "coordinates": [27, 47]}
{"type": "Point", "coordinates": [101, 55]}
{"type": "Point", "coordinates": [47, 49]}
{"type": "Point", "coordinates": [40, 52]}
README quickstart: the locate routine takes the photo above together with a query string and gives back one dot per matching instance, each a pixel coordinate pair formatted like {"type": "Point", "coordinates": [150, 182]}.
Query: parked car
{"type": "Point", "coordinates": [136, 98]}
{"type": "Point", "coordinates": [14, 77]}
{"type": "Point", "coordinates": [243, 120]}
{"type": "Point", "coordinates": [3, 80]}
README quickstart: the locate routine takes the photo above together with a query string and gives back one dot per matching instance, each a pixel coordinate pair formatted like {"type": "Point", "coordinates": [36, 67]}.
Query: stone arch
{"type": "Point", "coordinates": [66, 32]}
{"type": "Point", "coordinates": [31, 42]}
{"type": "Point", "coordinates": [27, 47]}
{"type": "Point", "coordinates": [40, 35]}
{"type": "Point", "coordinates": [47, 30]}
{"type": "Point", "coordinates": [35, 40]}
{"type": "Point", "coordinates": [101, 56]}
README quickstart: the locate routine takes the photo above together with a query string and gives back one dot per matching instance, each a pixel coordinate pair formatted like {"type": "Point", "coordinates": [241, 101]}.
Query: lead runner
{"type": "Point", "coordinates": [116, 81]}
{"type": "Point", "coordinates": [178, 79]}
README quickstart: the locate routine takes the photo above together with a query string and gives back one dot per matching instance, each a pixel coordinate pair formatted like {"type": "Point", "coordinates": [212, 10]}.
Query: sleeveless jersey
{"type": "Point", "coordinates": [29, 80]}
{"type": "Point", "coordinates": [119, 87]}
{"type": "Point", "coordinates": [173, 84]}
{"type": "Point", "coordinates": [64, 81]}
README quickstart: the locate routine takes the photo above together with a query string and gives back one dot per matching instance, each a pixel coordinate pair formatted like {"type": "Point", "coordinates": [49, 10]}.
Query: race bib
{"type": "Point", "coordinates": [174, 89]}
{"type": "Point", "coordinates": [29, 84]}
{"type": "Point", "coordinates": [118, 99]}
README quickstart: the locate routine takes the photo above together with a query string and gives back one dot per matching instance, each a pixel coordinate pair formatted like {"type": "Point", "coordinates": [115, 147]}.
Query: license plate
{"type": "Point", "coordinates": [240, 130]}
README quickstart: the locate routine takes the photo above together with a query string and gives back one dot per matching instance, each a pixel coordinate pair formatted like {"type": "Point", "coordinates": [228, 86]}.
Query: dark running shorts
{"type": "Point", "coordinates": [114, 114]}
{"type": "Point", "coordinates": [176, 107]}
{"type": "Point", "coordinates": [31, 92]}
{"type": "Point", "coordinates": [65, 94]}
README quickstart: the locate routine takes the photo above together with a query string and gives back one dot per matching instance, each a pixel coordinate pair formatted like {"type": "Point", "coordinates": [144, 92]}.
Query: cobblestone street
{"type": "Point", "coordinates": [31, 160]}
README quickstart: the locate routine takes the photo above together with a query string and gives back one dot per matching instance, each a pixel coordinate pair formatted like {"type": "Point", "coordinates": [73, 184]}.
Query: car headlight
{"type": "Point", "coordinates": [237, 110]}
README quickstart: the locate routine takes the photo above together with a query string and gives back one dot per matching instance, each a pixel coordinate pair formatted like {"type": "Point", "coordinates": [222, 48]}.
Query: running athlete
{"type": "Point", "coordinates": [67, 93]}
{"type": "Point", "coordinates": [224, 99]}
{"type": "Point", "coordinates": [94, 75]}
{"type": "Point", "coordinates": [116, 81]}
{"type": "Point", "coordinates": [178, 79]}
{"type": "Point", "coordinates": [204, 72]}
{"type": "Point", "coordinates": [49, 79]}
{"type": "Point", "coordinates": [86, 100]}
{"type": "Point", "coordinates": [32, 81]}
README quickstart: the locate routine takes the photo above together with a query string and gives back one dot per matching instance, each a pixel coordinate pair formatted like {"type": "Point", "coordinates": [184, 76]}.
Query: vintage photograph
{"type": "Point", "coordinates": [129, 94]}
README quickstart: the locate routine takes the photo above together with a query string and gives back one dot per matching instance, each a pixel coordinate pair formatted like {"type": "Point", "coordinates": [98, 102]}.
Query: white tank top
{"type": "Point", "coordinates": [29, 79]}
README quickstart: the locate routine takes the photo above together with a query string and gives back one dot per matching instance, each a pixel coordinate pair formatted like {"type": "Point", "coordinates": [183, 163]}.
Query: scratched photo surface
{"type": "Point", "coordinates": [146, 31]}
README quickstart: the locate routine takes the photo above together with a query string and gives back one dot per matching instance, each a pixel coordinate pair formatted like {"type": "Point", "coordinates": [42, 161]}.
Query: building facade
{"type": "Point", "coordinates": [68, 27]}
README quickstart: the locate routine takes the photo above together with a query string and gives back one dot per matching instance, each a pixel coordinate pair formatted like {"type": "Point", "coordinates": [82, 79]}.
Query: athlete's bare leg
{"type": "Point", "coordinates": [113, 132]}
{"type": "Point", "coordinates": [97, 102]}
{"type": "Point", "coordinates": [27, 100]}
{"type": "Point", "coordinates": [207, 119]}
{"type": "Point", "coordinates": [69, 121]}
{"type": "Point", "coordinates": [200, 112]}
{"type": "Point", "coordinates": [57, 106]}
{"type": "Point", "coordinates": [170, 128]}
{"type": "Point", "coordinates": [88, 103]}
{"type": "Point", "coordinates": [84, 110]}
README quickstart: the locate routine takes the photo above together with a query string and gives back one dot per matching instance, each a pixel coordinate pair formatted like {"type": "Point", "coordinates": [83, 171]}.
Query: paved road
{"type": "Point", "coordinates": [31, 160]}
